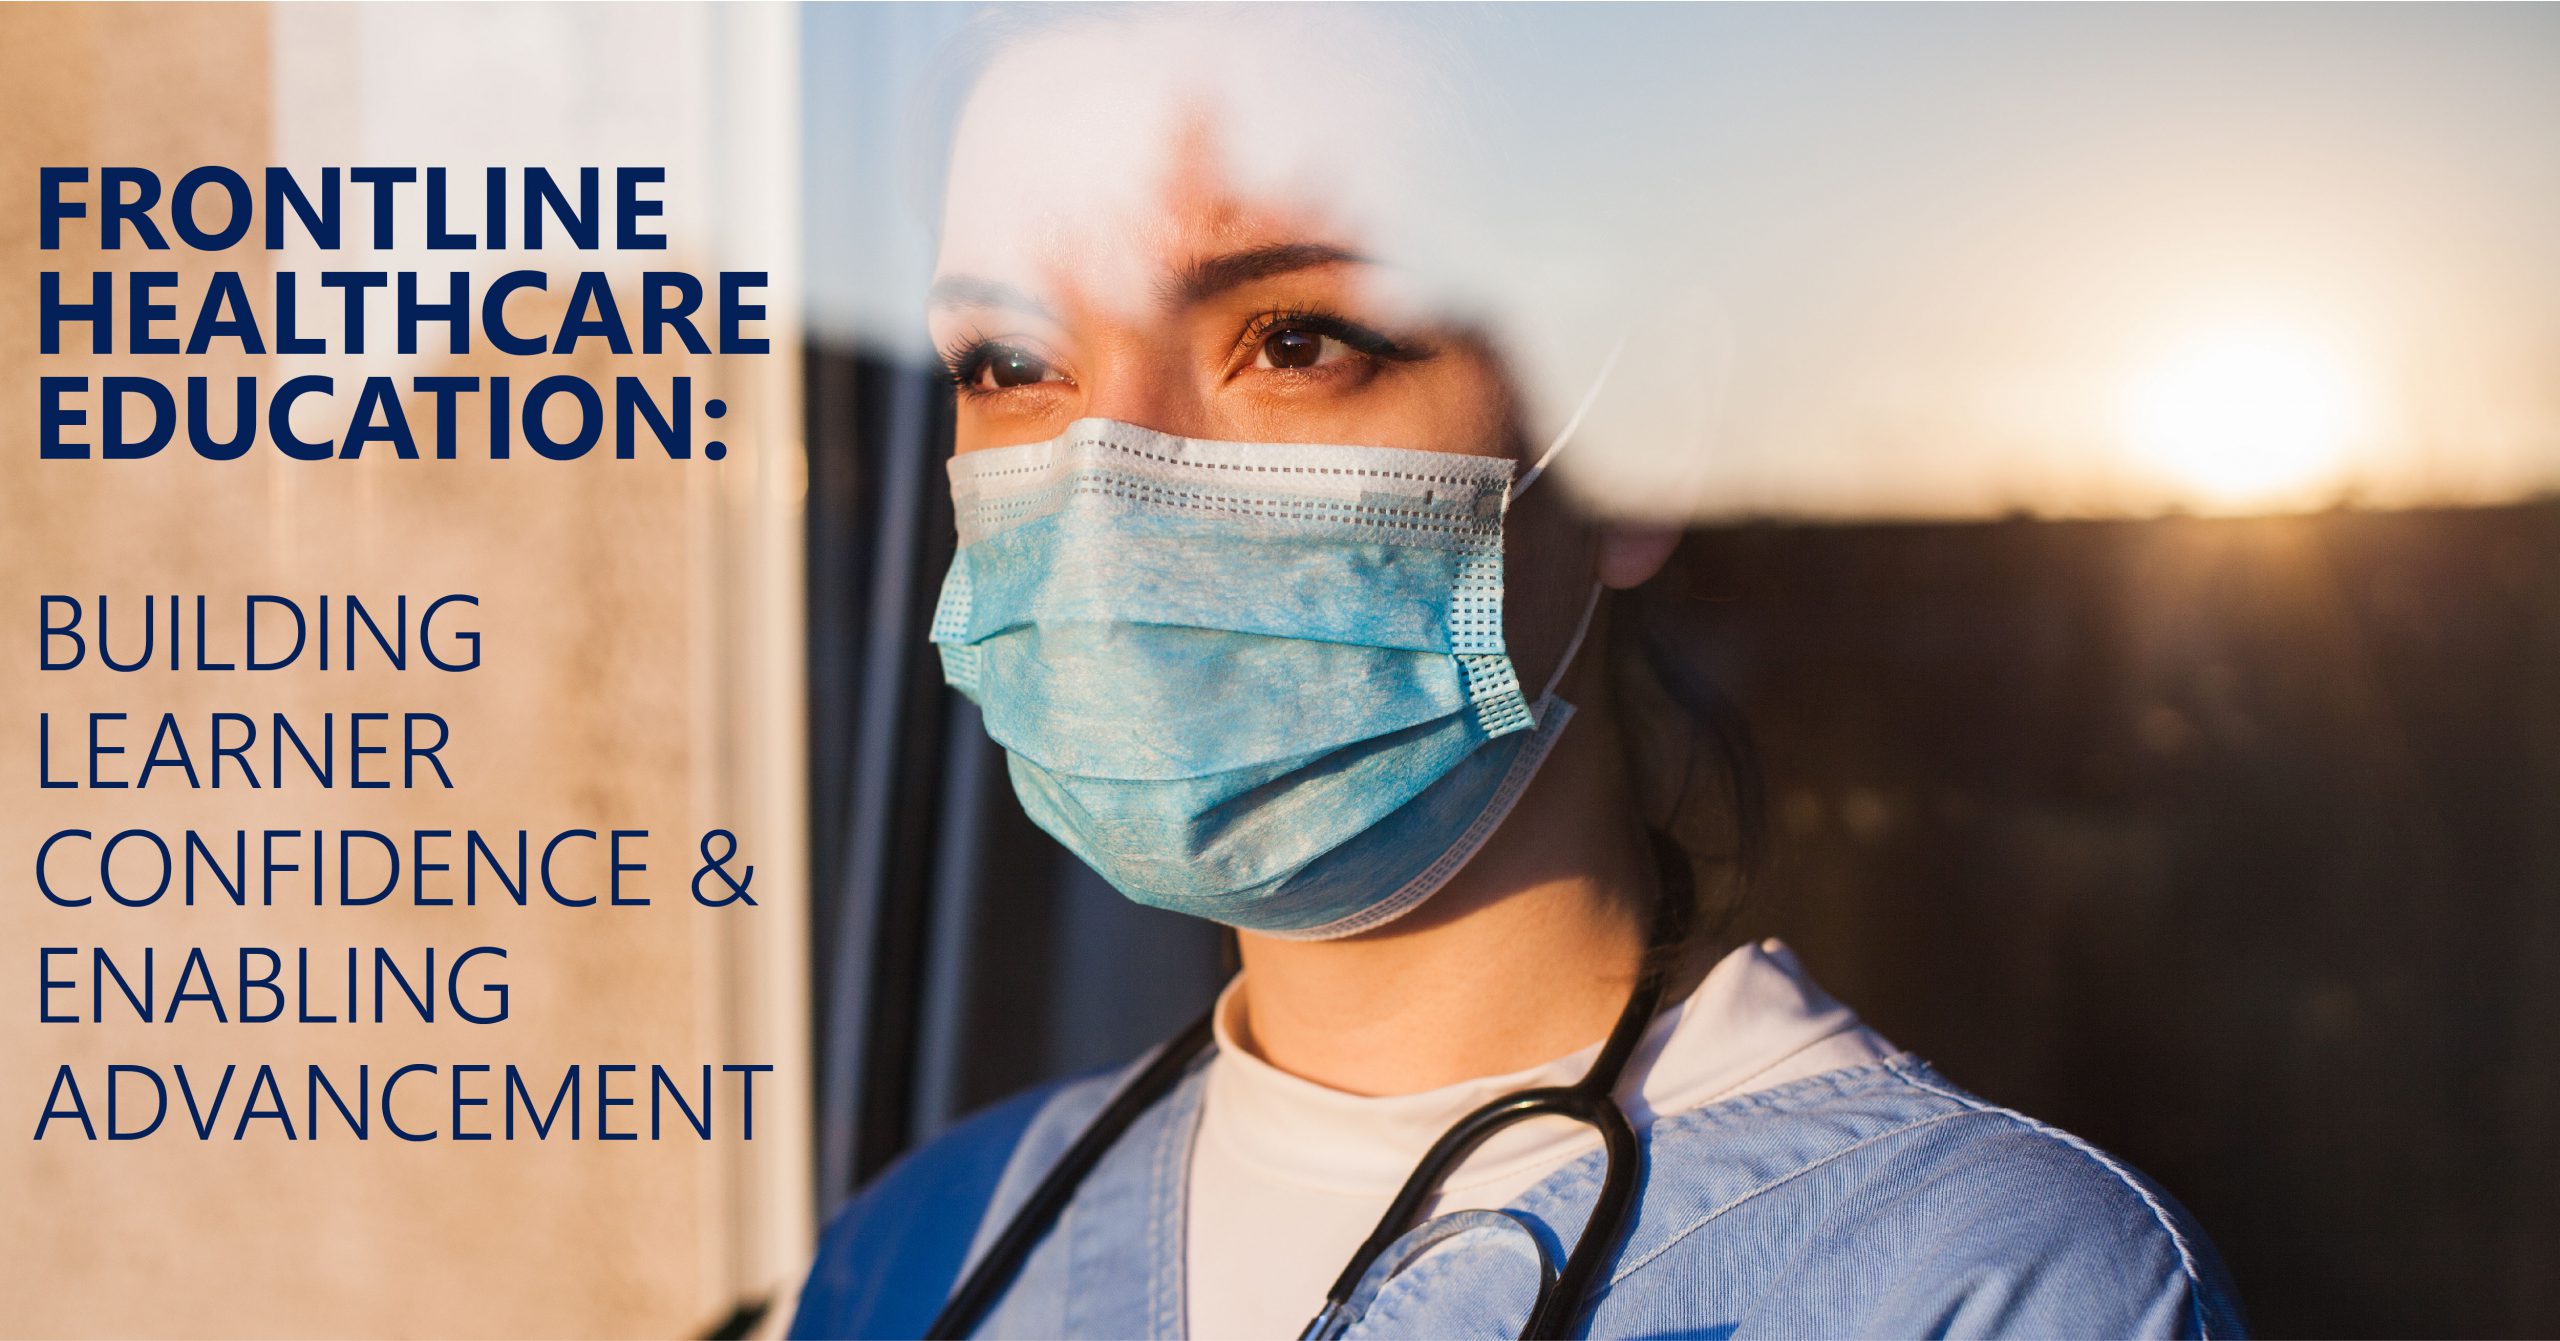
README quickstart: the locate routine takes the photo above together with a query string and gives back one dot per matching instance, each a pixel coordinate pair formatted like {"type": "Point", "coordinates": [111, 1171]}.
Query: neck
{"type": "Point", "coordinates": [1528, 955]}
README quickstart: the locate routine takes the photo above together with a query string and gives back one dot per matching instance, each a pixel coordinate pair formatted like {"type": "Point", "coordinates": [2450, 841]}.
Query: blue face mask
{"type": "Point", "coordinates": [1265, 685]}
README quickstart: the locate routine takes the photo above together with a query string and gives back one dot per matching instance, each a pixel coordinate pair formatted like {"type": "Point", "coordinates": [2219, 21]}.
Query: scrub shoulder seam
{"type": "Point", "coordinates": [2123, 1176]}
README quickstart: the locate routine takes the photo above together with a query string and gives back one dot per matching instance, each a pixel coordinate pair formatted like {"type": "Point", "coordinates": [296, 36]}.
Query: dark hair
{"type": "Point", "coordinates": [1693, 762]}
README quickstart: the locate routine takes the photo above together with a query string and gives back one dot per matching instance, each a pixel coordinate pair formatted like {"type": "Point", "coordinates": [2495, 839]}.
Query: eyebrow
{"type": "Point", "coordinates": [1198, 280]}
{"type": "Point", "coordinates": [1210, 276]}
{"type": "Point", "coordinates": [972, 291]}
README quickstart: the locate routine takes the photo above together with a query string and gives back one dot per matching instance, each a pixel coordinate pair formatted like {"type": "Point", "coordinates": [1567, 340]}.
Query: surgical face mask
{"type": "Point", "coordinates": [1265, 685]}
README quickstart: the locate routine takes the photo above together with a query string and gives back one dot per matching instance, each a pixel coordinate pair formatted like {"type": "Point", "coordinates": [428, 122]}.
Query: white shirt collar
{"type": "Point", "coordinates": [1755, 1021]}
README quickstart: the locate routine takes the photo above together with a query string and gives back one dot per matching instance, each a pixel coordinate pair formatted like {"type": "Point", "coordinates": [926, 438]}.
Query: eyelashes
{"type": "Point", "coordinates": [970, 362]}
{"type": "Point", "coordinates": [976, 366]}
{"type": "Point", "coordinates": [1267, 326]}
{"type": "Point", "coordinates": [960, 360]}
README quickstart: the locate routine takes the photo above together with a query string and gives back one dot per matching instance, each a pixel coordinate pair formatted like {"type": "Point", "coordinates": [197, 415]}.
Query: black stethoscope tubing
{"type": "Point", "coordinates": [1590, 1100]}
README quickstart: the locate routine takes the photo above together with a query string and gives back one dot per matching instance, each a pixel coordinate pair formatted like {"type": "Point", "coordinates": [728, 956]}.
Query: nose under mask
{"type": "Point", "coordinates": [1261, 684]}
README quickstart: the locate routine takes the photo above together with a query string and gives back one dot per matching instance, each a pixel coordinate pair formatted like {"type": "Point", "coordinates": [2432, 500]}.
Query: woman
{"type": "Point", "coordinates": [1262, 590]}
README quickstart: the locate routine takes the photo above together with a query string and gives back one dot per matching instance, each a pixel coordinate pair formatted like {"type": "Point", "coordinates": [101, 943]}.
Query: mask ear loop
{"type": "Point", "coordinates": [1590, 607]}
{"type": "Point", "coordinates": [1572, 421]}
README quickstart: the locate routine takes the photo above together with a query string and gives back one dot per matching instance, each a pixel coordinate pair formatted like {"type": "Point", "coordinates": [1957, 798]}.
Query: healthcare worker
{"type": "Point", "coordinates": [1263, 588]}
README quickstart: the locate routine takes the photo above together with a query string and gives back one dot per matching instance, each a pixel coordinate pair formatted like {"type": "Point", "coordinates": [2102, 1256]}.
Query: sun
{"type": "Point", "coordinates": [2247, 418]}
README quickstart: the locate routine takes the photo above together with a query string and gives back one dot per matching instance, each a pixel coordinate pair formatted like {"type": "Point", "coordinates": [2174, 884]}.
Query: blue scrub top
{"type": "Point", "coordinates": [1878, 1200]}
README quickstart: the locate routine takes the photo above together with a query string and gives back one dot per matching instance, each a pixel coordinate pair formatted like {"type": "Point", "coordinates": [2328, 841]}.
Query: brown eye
{"type": "Point", "coordinates": [1291, 347]}
{"type": "Point", "coordinates": [1010, 367]}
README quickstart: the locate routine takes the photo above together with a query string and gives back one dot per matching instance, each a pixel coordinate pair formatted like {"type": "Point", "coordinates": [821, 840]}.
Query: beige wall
{"type": "Point", "coordinates": [641, 664]}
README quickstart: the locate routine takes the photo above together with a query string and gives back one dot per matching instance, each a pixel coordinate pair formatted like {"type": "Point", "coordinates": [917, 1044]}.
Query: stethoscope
{"type": "Point", "coordinates": [1562, 1295]}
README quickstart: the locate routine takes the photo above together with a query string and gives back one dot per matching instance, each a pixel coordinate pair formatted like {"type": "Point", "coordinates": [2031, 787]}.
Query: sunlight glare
{"type": "Point", "coordinates": [2247, 418]}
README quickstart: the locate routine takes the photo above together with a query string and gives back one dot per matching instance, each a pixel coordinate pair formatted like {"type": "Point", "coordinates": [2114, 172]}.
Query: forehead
{"type": "Point", "coordinates": [1111, 151]}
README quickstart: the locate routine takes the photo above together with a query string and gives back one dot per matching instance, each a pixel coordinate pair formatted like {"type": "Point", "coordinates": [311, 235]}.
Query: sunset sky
{"type": "Point", "coordinates": [1960, 261]}
{"type": "Point", "coordinates": [1868, 261]}
{"type": "Point", "coordinates": [2091, 259]}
